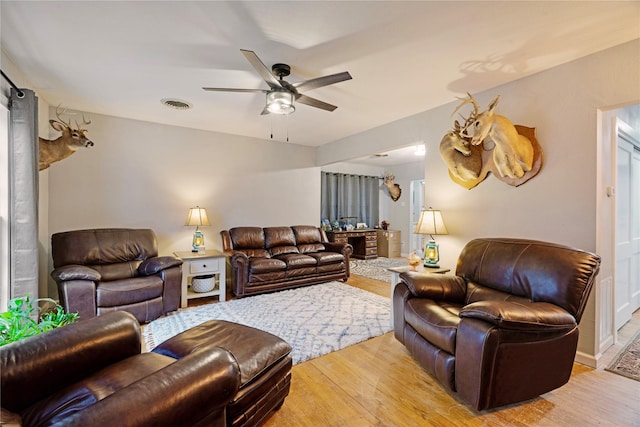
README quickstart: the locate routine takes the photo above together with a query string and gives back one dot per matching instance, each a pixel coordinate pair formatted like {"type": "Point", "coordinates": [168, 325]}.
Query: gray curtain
{"type": "Point", "coordinates": [23, 194]}
{"type": "Point", "coordinates": [344, 195]}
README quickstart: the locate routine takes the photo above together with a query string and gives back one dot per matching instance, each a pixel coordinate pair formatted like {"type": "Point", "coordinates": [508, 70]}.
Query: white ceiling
{"type": "Point", "coordinates": [121, 58]}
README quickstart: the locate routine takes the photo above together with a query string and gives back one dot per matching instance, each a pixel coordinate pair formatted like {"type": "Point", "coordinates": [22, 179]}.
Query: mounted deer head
{"type": "Point", "coordinates": [52, 151]}
{"type": "Point", "coordinates": [513, 153]}
{"type": "Point", "coordinates": [394, 189]}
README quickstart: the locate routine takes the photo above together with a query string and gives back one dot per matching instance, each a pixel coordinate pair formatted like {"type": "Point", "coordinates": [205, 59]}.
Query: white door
{"type": "Point", "coordinates": [627, 247]}
{"type": "Point", "coordinates": [416, 205]}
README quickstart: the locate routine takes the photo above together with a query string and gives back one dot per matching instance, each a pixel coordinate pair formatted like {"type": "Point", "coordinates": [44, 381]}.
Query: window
{"type": "Point", "coordinates": [352, 198]}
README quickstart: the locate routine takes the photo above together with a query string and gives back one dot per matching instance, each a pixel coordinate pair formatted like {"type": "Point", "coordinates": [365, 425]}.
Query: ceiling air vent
{"type": "Point", "coordinates": [176, 104]}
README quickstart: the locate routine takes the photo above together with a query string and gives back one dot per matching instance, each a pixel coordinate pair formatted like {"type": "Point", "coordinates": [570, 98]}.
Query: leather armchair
{"type": "Point", "coordinates": [505, 328]}
{"type": "Point", "coordinates": [104, 270]}
{"type": "Point", "coordinates": [92, 373]}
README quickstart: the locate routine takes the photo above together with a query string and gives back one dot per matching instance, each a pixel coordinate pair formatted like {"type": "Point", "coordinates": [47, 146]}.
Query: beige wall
{"type": "Point", "coordinates": [560, 204]}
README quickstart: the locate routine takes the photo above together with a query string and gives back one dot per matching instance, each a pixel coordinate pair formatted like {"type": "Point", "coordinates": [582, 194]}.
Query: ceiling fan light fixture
{"type": "Point", "coordinates": [280, 102]}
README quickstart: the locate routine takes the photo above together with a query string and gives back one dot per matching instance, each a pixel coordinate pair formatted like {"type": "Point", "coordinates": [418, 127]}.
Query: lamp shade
{"type": "Point", "coordinates": [431, 223]}
{"type": "Point", "coordinates": [280, 102]}
{"type": "Point", "coordinates": [197, 216]}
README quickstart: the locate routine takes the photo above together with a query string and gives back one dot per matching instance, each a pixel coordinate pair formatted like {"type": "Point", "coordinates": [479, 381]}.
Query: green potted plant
{"type": "Point", "coordinates": [23, 319]}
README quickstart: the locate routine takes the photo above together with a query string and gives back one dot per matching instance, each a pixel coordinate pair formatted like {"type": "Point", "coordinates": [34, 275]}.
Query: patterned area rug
{"type": "Point", "coordinates": [627, 362]}
{"type": "Point", "coordinates": [374, 268]}
{"type": "Point", "coordinates": [314, 320]}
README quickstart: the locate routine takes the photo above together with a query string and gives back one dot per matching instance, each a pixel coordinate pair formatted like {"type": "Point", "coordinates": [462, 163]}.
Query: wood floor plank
{"type": "Point", "coordinates": [377, 383]}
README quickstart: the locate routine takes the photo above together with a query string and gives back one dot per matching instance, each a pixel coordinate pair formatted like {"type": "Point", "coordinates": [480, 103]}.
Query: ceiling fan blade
{"type": "Point", "coordinates": [307, 100]}
{"type": "Point", "coordinates": [225, 89]}
{"type": "Point", "coordinates": [262, 69]}
{"type": "Point", "coordinates": [322, 81]}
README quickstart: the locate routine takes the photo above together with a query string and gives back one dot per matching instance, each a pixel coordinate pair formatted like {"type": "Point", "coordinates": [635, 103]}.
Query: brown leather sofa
{"type": "Point", "coordinates": [111, 269]}
{"type": "Point", "coordinates": [504, 328]}
{"type": "Point", "coordinates": [275, 258]}
{"type": "Point", "coordinates": [92, 373]}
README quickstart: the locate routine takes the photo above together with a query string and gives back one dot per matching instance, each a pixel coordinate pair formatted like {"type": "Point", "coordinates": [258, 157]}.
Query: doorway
{"type": "Point", "coordinates": [416, 205]}
{"type": "Point", "coordinates": [627, 225]}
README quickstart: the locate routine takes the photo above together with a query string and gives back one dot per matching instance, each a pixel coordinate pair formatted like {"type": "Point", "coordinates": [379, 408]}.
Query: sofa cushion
{"type": "Point", "coordinates": [253, 253]}
{"type": "Point", "coordinates": [310, 247]}
{"type": "Point", "coordinates": [247, 238]}
{"type": "Point", "coordinates": [76, 397]}
{"type": "Point", "coordinates": [281, 250]}
{"type": "Point", "coordinates": [307, 234]}
{"type": "Point", "coordinates": [279, 236]}
{"type": "Point", "coordinates": [324, 258]}
{"type": "Point", "coordinates": [265, 265]}
{"type": "Point", "coordinates": [298, 261]}
{"type": "Point", "coordinates": [437, 322]}
{"type": "Point", "coordinates": [128, 291]}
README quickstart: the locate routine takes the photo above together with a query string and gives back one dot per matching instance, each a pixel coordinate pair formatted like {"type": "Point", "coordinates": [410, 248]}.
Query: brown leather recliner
{"type": "Point", "coordinates": [93, 373]}
{"type": "Point", "coordinates": [112, 269]}
{"type": "Point", "coordinates": [505, 328]}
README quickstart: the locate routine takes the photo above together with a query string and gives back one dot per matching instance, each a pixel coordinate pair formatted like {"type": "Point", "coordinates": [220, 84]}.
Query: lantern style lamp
{"type": "Point", "coordinates": [197, 216]}
{"type": "Point", "coordinates": [431, 223]}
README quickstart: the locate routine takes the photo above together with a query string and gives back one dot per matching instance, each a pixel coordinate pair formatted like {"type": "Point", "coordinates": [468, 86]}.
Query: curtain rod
{"type": "Point", "coordinates": [353, 174]}
{"type": "Point", "coordinates": [20, 93]}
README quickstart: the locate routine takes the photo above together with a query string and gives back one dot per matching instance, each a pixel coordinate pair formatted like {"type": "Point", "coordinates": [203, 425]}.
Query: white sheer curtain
{"type": "Point", "coordinates": [344, 195]}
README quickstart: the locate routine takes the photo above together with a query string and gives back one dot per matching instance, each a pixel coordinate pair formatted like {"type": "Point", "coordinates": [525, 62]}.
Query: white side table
{"type": "Point", "coordinates": [196, 264]}
{"type": "Point", "coordinates": [395, 278]}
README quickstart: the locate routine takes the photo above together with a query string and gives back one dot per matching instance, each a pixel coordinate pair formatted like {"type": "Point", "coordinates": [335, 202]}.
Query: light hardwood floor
{"type": "Point", "coordinates": [377, 383]}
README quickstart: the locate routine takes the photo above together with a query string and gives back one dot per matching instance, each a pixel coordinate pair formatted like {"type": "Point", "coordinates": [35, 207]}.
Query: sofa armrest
{"type": "Point", "coordinates": [75, 272]}
{"type": "Point", "coordinates": [533, 316]}
{"type": "Point", "coordinates": [435, 286]}
{"type": "Point", "coordinates": [192, 391]}
{"type": "Point", "coordinates": [240, 265]}
{"type": "Point", "coordinates": [156, 264]}
{"type": "Point", "coordinates": [63, 356]}
{"type": "Point", "coordinates": [344, 248]}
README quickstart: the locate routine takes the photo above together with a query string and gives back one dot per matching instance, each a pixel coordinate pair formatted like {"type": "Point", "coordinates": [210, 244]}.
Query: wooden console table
{"type": "Point", "coordinates": [364, 241]}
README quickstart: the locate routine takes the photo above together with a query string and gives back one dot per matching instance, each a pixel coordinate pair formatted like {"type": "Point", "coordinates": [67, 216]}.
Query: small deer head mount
{"type": "Point", "coordinates": [394, 189]}
{"type": "Point", "coordinates": [52, 151]}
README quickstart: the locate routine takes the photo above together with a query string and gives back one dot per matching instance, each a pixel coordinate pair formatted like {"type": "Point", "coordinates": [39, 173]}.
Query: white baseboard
{"type": "Point", "coordinates": [587, 359]}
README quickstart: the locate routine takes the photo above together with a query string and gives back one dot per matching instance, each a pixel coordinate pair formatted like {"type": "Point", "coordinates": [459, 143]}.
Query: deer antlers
{"type": "Point", "coordinates": [59, 113]}
{"type": "Point", "coordinates": [461, 130]}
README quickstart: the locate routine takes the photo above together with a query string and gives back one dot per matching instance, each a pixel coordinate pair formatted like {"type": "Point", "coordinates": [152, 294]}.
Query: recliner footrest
{"type": "Point", "coordinates": [263, 359]}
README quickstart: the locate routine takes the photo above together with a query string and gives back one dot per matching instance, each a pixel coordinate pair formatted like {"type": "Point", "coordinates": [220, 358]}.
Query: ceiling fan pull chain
{"type": "Point", "coordinates": [271, 120]}
{"type": "Point", "coordinates": [287, 128]}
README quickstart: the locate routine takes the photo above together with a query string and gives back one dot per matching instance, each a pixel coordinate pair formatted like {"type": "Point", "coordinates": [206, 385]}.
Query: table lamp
{"type": "Point", "coordinates": [197, 216]}
{"type": "Point", "coordinates": [431, 223]}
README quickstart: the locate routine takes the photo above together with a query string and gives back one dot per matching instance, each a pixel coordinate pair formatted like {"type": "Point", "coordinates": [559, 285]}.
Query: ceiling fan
{"type": "Point", "coordinates": [281, 94]}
